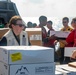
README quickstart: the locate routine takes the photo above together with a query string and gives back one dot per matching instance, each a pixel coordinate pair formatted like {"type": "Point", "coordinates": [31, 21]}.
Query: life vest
{"type": "Point", "coordinates": [11, 40]}
{"type": "Point", "coordinates": [62, 45]}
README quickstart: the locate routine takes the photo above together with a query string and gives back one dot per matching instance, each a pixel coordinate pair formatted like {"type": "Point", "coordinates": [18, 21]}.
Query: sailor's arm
{"type": "Point", "coordinates": [63, 41]}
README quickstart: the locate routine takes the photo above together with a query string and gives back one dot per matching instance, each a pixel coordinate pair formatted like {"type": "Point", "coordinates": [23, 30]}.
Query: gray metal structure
{"type": "Point", "coordinates": [7, 10]}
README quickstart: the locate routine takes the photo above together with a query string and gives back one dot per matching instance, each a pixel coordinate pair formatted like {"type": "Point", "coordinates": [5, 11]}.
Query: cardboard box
{"type": "Point", "coordinates": [66, 70]}
{"type": "Point", "coordinates": [72, 64]}
{"type": "Point", "coordinates": [68, 51]}
{"type": "Point", "coordinates": [35, 36]}
{"type": "Point", "coordinates": [60, 34]}
{"type": "Point", "coordinates": [26, 54]}
{"type": "Point", "coordinates": [3, 31]}
{"type": "Point", "coordinates": [27, 69]}
{"type": "Point", "coordinates": [58, 73]}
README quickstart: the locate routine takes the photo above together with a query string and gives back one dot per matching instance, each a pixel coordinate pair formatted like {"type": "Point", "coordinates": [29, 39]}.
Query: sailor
{"type": "Point", "coordinates": [15, 36]}
{"type": "Point", "coordinates": [42, 23]}
{"type": "Point", "coordinates": [71, 39]}
{"type": "Point", "coordinates": [66, 27]}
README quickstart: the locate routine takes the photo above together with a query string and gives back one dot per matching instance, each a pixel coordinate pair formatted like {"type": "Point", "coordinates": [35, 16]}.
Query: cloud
{"type": "Point", "coordinates": [50, 8]}
{"type": "Point", "coordinates": [36, 1]}
{"type": "Point", "coordinates": [29, 1]}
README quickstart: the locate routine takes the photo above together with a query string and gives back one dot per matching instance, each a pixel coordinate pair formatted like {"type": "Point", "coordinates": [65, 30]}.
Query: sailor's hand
{"type": "Point", "coordinates": [55, 42]}
{"type": "Point", "coordinates": [52, 37]}
{"type": "Point", "coordinates": [74, 54]}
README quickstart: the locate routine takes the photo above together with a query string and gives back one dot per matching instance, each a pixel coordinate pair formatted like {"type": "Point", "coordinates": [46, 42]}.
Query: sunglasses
{"type": "Point", "coordinates": [73, 22]}
{"type": "Point", "coordinates": [20, 25]}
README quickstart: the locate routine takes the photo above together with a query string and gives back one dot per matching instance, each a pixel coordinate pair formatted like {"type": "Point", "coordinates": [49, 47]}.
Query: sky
{"type": "Point", "coordinates": [49, 8]}
{"type": "Point", "coordinates": [55, 10]}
